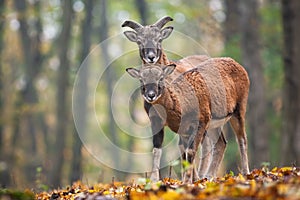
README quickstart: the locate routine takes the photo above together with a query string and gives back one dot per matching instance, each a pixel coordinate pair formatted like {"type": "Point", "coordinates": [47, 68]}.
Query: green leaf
{"type": "Point", "coordinates": [185, 164]}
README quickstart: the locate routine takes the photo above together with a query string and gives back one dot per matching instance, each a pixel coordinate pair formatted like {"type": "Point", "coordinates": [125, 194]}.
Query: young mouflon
{"type": "Point", "coordinates": [198, 100]}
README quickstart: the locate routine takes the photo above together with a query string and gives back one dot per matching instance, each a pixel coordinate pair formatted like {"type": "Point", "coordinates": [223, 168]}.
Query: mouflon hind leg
{"type": "Point", "coordinates": [191, 174]}
{"type": "Point", "coordinates": [205, 155]}
{"type": "Point", "coordinates": [238, 124]}
{"type": "Point", "coordinates": [218, 151]}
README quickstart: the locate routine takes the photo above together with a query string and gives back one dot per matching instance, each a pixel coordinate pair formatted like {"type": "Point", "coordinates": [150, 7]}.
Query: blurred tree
{"type": "Point", "coordinates": [62, 105]}
{"type": "Point", "coordinates": [143, 10]}
{"type": "Point", "coordinates": [231, 34]}
{"type": "Point", "coordinates": [109, 79]}
{"type": "Point", "coordinates": [27, 98]}
{"type": "Point", "coordinates": [81, 93]}
{"type": "Point", "coordinates": [291, 98]}
{"type": "Point", "coordinates": [252, 61]}
{"type": "Point", "coordinates": [272, 43]}
{"type": "Point", "coordinates": [2, 9]}
{"type": "Point", "coordinates": [231, 23]}
{"type": "Point", "coordinates": [4, 173]}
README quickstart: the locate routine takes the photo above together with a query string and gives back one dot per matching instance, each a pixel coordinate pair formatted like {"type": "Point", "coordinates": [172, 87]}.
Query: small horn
{"type": "Point", "coordinates": [132, 24]}
{"type": "Point", "coordinates": [160, 23]}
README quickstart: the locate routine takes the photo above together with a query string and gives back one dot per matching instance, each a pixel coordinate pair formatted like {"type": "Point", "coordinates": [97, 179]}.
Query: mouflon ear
{"type": "Point", "coordinates": [131, 35]}
{"type": "Point", "coordinates": [135, 73]}
{"type": "Point", "coordinates": [169, 69]}
{"type": "Point", "coordinates": [166, 32]}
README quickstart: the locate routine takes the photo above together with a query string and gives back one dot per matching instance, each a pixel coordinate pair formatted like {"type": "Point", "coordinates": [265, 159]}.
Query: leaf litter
{"type": "Point", "coordinates": [278, 183]}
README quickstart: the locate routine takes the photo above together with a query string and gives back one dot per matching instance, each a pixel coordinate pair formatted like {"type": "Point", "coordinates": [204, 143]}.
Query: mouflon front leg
{"type": "Point", "coordinates": [157, 152]}
{"type": "Point", "coordinates": [157, 128]}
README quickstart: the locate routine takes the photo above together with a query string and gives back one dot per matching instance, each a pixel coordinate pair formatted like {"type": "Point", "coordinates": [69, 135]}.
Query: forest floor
{"type": "Point", "coordinates": [278, 183]}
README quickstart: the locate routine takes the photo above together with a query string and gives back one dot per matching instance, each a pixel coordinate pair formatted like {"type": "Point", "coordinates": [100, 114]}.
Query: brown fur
{"type": "Point", "coordinates": [220, 87]}
{"type": "Point", "coordinates": [220, 104]}
{"type": "Point", "coordinates": [183, 64]}
{"type": "Point", "coordinates": [231, 76]}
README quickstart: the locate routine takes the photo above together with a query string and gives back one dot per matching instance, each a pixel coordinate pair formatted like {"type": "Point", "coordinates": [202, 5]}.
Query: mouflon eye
{"type": "Point", "coordinates": [160, 84]}
{"type": "Point", "coordinates": [159, 87]}
{"type": "Point", "coordinates": [143, 88]}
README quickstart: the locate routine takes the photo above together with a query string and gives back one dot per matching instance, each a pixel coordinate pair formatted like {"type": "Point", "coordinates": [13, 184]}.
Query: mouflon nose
{"type": "Point", "coordinates": [151, 95]}
{"type": "Point", "coordinates": [151, 56]}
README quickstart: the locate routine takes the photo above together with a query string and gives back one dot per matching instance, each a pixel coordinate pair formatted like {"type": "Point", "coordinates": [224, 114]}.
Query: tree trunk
{"type": "Point", "coordinates": [4, 172]}
{"type": "Point", "coordinates": [109, 79]}
{"type": "Point", "coordinates": [143, 10]}
{"type": "Point", "coordinates": [2, 8]}
{"type": "Point", "coordinates": [81, 94]}
{"type": "Point", "coordinates": [27, 95]}
{"type": "Point", "coordinates": [252, 61]}
{"type": "Point", "coordinates": [27, 98]}
{"type": "Point", "coordinates": [291, 98]}
{"type": "Point", "coordinates": [231, 28]}
{"type": "Point", "coordinates": [231, 34]}
{"type": "Point", "coordinates": [62, 101]}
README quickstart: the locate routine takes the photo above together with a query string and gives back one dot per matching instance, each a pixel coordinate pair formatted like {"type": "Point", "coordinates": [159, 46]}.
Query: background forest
{"type": "Point", "coordinates": [44, 46]}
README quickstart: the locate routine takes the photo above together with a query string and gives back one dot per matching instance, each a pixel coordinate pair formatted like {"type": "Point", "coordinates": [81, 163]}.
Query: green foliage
{"type": "Point", "coordinates": [186, 165]}
{"type": "Point", "coordinates": [16, 195]}
{"type": "Point", "coordinates": [232, 48]}
{"type": "Point", "coordinates": [143, 181]}
{"type": "Point", "coordinates": [272, 43]}
{"type": "Point", "coordinates": [265, 166]}
{"type": "Point", "coordinates": [39, 183]}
